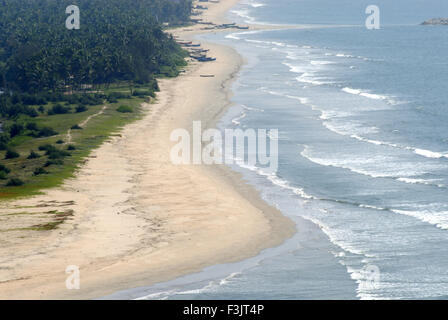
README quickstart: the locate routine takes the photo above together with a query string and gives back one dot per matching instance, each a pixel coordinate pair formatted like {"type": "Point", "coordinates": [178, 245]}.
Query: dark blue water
{"type": "Point", "coordinates": [363, 152]}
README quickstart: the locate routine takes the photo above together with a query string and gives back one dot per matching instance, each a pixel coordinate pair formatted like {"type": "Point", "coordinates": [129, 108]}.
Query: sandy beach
{"type": "Point", "coordinates": [135, 218]}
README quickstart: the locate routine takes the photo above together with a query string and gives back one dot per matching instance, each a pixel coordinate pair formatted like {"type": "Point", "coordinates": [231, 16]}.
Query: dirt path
{"type": "Point", "coordinates": [69, 139]}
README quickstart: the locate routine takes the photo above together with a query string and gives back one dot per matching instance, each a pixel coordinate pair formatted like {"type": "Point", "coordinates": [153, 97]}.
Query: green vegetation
{"type": "Point", "coordinates": [119, 40]}
{"type": "Point", "coordinates": [14, 182]}
{"type": "Point", "coordinates": [124, 109]}
{"type": "Point", "coordinates": [44, 163]}
{"type": "Point", "coordinates": [53, 79]}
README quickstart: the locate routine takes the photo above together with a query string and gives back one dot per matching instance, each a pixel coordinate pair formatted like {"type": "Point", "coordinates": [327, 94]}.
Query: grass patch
{"type": "Point", "coordinates": [58, 161]}
{"type": "Point", "coordinates": [125, 109]}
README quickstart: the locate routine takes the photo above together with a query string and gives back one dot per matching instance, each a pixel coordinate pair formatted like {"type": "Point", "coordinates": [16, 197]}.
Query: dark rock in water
{"type": "Point", "coordinates": [436, 21]}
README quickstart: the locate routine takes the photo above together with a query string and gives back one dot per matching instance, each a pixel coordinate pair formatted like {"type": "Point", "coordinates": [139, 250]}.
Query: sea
{"type": "Point", "coordinates": [363, 152]}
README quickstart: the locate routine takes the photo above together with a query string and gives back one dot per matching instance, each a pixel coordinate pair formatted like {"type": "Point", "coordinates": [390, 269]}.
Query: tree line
{"type": "Point", "coordinates": [119, 40]}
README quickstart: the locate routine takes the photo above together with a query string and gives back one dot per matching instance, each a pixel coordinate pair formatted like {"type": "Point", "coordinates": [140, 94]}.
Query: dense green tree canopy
{"type": "Point", "coordinates": [119, 40]}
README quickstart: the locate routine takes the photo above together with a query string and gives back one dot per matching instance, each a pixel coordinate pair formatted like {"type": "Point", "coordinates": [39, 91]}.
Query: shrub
{"type": "Point", "coordinates": [58, 109]}
{"type": "Point", "coordinates": [43, 132]}
{"type": "Point", "coordinates": [46, 147]}
{"type": "Point", "coordinates": [4, 139]}
{"type": "Point", "coordinates": [80, 108]}
{"type": "Point", "coordinates": [3, 175]}
{"type": "Point", "coordinates": [14, 182]}
{"type": "Point", "coordinates": [124, 109]}
{"type": "Point", "coordinates": [33, 99]}
{"type": "Point", "coordinates": [55, 153]}
{"type": "Point", "coordinates": [15, 129]}
{"type": "Point", "coordinates": [33, 155]}
{"type": "Point", "coordinates": [71, 147]}
{"type": "Point", "coordinates": [11, 154]}
{"type": "Point", "coordinates": [76, 127]}
{"type": "Point", "coordinates": [54, 162]}
{"type": "Point", "coordinates": [91, 100]}
{"type": "Point", "coordinates": [143, 93]}
{"type": "Point", "coordinates": [4, 169]}
{"type": "Point", "coordinates": [60, 141]}
{"type": "Point", "coordinates": [72, 99]}
{"type": "Point", "coordinates": [41, 109]}
{"type": "Point", "coordinates": [39, 171]}
{"type": "Point", "coordinates": [47, 132]}
{"type": "Point", "coordinates": [32, 112]}
{"type": "Point", "coordinates": [114, 96]}
{"type": "Point", "coordinates": [32, 126]}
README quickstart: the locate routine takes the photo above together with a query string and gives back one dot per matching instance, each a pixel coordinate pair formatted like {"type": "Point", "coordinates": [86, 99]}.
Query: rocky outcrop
{"type": "Point", "coordinates": [436, 21]}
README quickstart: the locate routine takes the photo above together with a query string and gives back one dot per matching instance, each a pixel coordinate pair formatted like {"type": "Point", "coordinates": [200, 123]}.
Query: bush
{"type": "Point", "coordinates": [55, 153]}
{"type": "Point", "coordinates": [124, 109]}
{"type": "Point", "coordinates": [3, 175]}
{"type": "Point", "coordinates": [114, 96]}
{"type": "Point", "coordinates": [33, 99]}
{"type": "Point", "coordinates": [41, 109]}
{"type": "Point", "coordinates": [76, 127]}
{"type": "Point", "coordinates": [43, 132]}
{"type": "Point", "coordinates": [39, 171]}
{"type": "Point", "coordinates": [11, 154]}
{"type": "Point", "coordinates": [46, 147]}
{"type": "Point", "coordinates": [71, 147]}
{"type": "Point", "coordinates": [58, 109]}
{"type": "Point", "coordinates": [32, 126]}
{"type": "Point", "coordinates": [14, 182]}
{"type": "Point", "coordinates": [54, 162]}
{"type": "Point", "coordinates": [80, 108]}
{"type": "Point", "coordinates": [4, 169]}
{"type": "Point", "coordinates": [4, 139]}
{"type": "Point", "coordinates": [32, 112]}
{"type": "Point", "coordinates": [15, 129]}
{"type": "Point", "coordinates": [143, 93]}
{"type": "Point", "coordinates": [33, 155]}
{"type": "Point", "coordinates": [91, 100]}
{"type": "Point", "coordinates": [60, 141]}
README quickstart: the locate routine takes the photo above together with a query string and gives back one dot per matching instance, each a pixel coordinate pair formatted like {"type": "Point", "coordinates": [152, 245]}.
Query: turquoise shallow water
{"type": "Point", "coordinates": [363, 153]}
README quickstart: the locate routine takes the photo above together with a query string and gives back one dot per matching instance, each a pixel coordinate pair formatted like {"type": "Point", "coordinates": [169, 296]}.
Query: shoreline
{"type": "Point", "coordinates": [139, 220]}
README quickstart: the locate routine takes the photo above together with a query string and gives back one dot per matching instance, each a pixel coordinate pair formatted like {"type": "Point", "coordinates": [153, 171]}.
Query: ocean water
{"type": "Point", "coordinates": [363, 152]}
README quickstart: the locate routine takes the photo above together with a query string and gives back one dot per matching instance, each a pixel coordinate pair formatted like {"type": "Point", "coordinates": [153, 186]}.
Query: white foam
{"type": "Point", "coordinates": [276, 180]}
{"type": "Point", "coordinates": [428, 153]}
{"type": "Point", "coordinates": [342, 55]}
{"type": "Point", "coordinates": [369, 95]}
{"type": "Point", "coordinates": [320, 62]}
{"type": "Point", "coordinates": [431, 182]}
{"type": "Point", "coordinates": [367, 206]}
{"type": "Point", "coordinates": [308, 78]}
{"type": "Point", "coordinates": [236, 121]}
{"type": "Point", "coordinates": [378, 166]}
{"type": "Point", "coordinates": [351, 91]}
{"type": "Point", "coordinates": [233, 36]}
{"type": "Point", "coordinates": [257, 5]}
{"type": "Point", "coordinates": [244, 13]}
{"type": "Point", "coordinates": [436, 218]}
{"type": "Point", "coordinates": [337, 237]}
{"type": "Point", "coordinates": [251, 108]}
